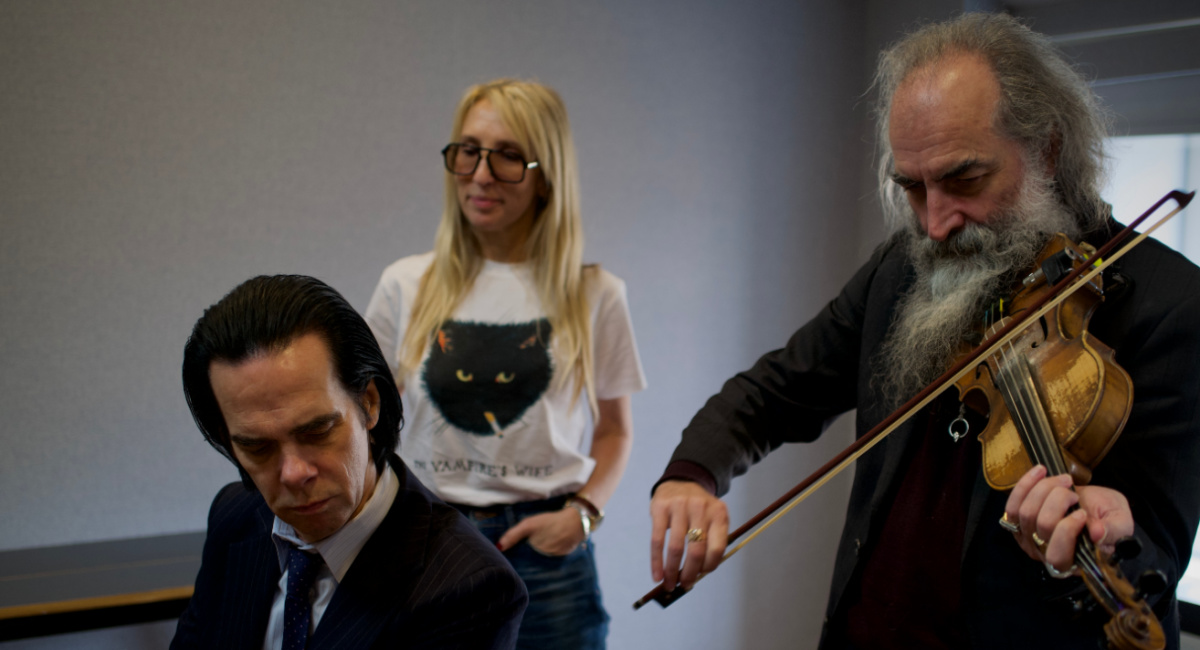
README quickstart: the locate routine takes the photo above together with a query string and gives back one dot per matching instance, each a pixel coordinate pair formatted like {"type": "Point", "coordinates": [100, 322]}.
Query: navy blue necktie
{"type": "Point", "coordinates": [297, 611]}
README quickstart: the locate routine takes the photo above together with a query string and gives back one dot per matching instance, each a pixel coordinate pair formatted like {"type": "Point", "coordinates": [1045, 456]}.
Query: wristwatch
{"type": "Point", "coordinates": [590, 516]}
{"type": "Point", "coordinates": [585, 518]}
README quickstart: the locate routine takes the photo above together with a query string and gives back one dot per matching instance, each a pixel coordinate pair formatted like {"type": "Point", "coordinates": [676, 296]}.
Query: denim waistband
{"type": "Point", "coordinates": [514, 511]}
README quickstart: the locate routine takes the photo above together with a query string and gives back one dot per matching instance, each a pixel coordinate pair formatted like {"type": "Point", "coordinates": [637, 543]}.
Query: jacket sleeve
{"type": "Point", "coordinates": [790, 394]}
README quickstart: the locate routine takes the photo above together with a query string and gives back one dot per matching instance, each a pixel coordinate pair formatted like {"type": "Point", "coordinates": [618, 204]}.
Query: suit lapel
{"type": "Point", "coordinates": [251, 575]}
{"type": "Point", "coordinates": [381, 578]}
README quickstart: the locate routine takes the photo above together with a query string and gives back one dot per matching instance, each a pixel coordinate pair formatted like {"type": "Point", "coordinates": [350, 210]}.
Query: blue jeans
{"type": "Point", "coordinates": [565, 610]}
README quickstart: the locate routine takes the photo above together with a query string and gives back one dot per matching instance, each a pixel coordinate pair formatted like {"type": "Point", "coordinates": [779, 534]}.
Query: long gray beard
{"type": "Point", "coordinates": [955, 282]}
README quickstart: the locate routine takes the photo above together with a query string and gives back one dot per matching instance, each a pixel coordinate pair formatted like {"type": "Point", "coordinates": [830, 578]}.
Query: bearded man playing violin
{"type": "Point", "coordinates": [991, 143]}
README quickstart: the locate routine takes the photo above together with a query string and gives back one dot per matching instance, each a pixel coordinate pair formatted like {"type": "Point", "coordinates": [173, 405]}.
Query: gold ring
{"type": "Point", "coordinates": [695, 535]}
{"type": "Point", "coordinates": [1009, 525]}
{"type": "Point", "coordinates": [1041, 543]}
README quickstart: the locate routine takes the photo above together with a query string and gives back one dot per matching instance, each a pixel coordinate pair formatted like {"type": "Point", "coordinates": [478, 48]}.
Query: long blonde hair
{"type": "Point", "coordinates": [537, 118]}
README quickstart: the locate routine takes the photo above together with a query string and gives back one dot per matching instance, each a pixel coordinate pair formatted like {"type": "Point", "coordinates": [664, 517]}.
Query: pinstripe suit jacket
{"type": "Point", "coordinates": [425, 579]}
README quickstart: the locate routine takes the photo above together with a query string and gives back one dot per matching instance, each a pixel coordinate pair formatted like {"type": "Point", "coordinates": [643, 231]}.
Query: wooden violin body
{"type": "Point", "coordinates": [1086, 396]}
{"type": "Point", "coordinates": [1055, 397]}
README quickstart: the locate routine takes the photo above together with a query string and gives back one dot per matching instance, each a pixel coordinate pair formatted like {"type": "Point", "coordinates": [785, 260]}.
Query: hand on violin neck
{"type": "Point", "coordinates": [1109, 516]}
{"type": "Point", "coordinates": [692, 526]}
{"type": "Point", "coordinates": [1052, 513]}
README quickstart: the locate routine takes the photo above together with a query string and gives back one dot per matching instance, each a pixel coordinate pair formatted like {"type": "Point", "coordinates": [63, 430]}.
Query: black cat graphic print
{"type": "Point", "coordinates": [482, 377]}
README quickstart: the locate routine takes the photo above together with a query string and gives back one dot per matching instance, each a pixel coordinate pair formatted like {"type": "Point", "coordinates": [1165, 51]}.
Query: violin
{"type": "Point", "coordinates": [1030, 433]}
{"type": "Point", "coordinates": [1054, 396]}
{"type": "Point", "coordinates": [1054, 376]}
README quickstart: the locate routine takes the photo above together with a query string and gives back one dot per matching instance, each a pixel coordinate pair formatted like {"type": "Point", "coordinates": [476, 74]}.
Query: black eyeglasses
{"type": "Point", "coordinates": [507, 166]}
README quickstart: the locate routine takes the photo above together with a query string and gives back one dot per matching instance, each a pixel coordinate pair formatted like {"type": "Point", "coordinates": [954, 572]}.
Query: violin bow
{"type": "Point", "coordinates": [1093, 266]}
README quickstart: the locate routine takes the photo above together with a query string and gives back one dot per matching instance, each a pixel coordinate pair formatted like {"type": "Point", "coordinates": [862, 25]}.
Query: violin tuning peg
{"type": "Point", "coordinates": [1151, 582]}
{"type": "Point", "coordinates": [1126, 548]}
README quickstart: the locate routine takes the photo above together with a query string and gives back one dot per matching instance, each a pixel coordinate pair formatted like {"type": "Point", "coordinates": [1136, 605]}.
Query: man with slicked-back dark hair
{"type": "Point", "coordinates": [328, 541]}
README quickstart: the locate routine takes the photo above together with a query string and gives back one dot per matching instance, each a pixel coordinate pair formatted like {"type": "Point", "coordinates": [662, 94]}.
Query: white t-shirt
{"type": "Point", "coordinates": [488, 420]}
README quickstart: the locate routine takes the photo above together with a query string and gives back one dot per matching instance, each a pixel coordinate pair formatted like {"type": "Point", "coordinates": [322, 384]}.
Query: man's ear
{"type": "Point", "coordinates": [370, 405]}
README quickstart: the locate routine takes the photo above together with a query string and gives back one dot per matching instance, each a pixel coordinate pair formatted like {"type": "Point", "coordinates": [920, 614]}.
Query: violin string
{"type": "Point", "coordinates": [1024, 407]}
{"type": "Point", "coordinates": [1015, 408]}
{"type": "Point", "coordinates": [1020, 397]}
{"type": "Point", "coordinates": [1018, 407]}
{"type": "Point", "coordinates": [1052, 457]}
{"type": "Point", "coordinates": [1021, 394]}
{"type": "Point", "coordinates": [1035, 418]}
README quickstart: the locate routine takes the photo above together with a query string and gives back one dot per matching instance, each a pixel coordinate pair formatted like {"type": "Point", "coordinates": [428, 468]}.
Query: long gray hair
{"type": "Point", "coordinates": [1045, 105]}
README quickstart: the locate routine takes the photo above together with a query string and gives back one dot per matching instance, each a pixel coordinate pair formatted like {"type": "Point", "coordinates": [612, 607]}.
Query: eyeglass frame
{"type": "Point", "coordinates": [488, 156]}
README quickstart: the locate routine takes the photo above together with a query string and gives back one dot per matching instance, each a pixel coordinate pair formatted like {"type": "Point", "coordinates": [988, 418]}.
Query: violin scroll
{"type": "Point", "coordinates": [1133, 626]}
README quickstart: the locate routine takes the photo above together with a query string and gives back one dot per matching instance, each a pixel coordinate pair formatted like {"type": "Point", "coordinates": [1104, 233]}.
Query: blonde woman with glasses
{"type": "Point", "coordinates": [516, 362]}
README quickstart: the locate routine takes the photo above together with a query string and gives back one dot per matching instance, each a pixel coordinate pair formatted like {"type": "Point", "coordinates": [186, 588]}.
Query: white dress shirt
{"type": "Point", "coordinates": [338, 552]}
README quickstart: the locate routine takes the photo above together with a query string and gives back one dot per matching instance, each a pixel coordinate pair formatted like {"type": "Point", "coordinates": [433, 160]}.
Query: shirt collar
{"type": "Point", "coordinates": [341, 548]}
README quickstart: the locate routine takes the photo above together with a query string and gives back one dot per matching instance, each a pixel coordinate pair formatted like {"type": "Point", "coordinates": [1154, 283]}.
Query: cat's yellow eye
{"type": "Point", "coordinates": [504, 378]}
{"type": "Point", "coordinates": [462, 376]}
